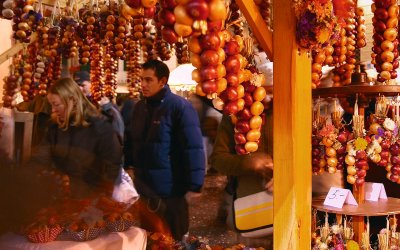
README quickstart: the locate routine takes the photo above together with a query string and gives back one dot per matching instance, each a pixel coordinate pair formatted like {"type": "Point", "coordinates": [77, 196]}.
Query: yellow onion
{"type": "Point", "coordinates": [183, 30]}
{"type": "Point", "coordinates": [182, 16]}
{"type": "Point", "coordinates": [221, 85]}
{"type": "Point", "coordinates": [251, 146]}
{"type": "Point", "coordinates": [218, 10]}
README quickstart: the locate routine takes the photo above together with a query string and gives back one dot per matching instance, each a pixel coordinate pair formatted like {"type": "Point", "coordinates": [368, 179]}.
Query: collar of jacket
{"type": "Point", "coordinates": [157, 98]}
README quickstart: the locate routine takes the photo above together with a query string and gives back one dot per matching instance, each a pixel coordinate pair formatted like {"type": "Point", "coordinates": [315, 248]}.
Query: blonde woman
{"type": "Point", "coordinates": [80, 142]}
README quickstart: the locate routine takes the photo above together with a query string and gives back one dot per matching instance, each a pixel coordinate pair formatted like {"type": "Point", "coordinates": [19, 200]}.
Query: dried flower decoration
{"type": "Point", "coordinates": [389, 124]}
{"type": "Point", "coordinates": [327, 130]}
{"type": "Point", "coordinates": [316, 23]}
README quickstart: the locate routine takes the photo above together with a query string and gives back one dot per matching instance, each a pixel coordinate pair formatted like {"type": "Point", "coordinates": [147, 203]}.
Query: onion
{"type": "Point", "coordinates": [217, 10]}
{"type": "Point", "coordinates": [7, 13]}
{"type": "Point", "coordinates": [197, 9]}
{"type": "Point", "coordinates": [9, 4]}
{"type": "Point", "coordinates": [182, 16]}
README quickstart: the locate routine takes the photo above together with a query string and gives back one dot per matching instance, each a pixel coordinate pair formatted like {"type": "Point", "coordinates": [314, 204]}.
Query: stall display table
{"type": "Point", "coordinates": [367, 208]}
{"type": "Point", "coordinates": [134, 238]}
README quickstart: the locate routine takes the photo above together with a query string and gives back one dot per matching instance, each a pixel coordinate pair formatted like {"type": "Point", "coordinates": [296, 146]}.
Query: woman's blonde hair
{"type": "Point", "coordinates": [78, 108]}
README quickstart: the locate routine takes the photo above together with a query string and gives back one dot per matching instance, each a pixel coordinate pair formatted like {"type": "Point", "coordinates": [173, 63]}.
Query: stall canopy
{"type": "Point", "coordinates": [182, 75]}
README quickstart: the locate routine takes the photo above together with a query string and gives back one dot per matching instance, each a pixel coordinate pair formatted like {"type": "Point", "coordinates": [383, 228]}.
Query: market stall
{"type": "Point", "coordinates": [194, 32]}
{"type": "Point", "coordinates": [307, 36]}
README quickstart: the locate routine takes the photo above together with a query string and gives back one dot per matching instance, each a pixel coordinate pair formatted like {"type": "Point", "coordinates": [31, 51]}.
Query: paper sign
{"type": "Point", "coordinates": [374, 191]}
{"type": "Point", "coordinates": [336, 197]}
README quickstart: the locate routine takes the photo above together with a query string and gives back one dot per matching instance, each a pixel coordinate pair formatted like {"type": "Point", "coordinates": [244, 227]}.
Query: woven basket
{"type": "Point", "coordinates": [86, 235]}
{"type": "Point", "coordinates": [46, 235]}
{"type": "Point", "coordinates": [119, 225]}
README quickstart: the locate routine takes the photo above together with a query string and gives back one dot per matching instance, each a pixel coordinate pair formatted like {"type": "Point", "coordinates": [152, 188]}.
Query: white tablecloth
{"type": "Point", "coordinates": [133, 239]}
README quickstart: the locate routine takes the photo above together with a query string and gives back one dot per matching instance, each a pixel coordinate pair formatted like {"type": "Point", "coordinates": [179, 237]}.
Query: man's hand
{"type": "Point", "coordinates": [259, 163]}
{"type": "Point", "coordinates": [269, 186]}
{"type": "Point", "coordinates": [190, 196]}
{"type": "Point", "coordinates": [130, 172]}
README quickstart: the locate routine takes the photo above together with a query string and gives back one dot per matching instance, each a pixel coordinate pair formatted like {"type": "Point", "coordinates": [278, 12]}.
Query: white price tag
{"type": "Point", "coordinates": [374, 191]}
{"type": "Point", "coordinates": [336, 197]}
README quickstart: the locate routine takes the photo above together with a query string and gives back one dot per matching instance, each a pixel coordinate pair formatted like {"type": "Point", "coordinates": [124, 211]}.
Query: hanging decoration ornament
{"type": "Point", "coordinates": [316, 23]}
{"type": "Point", "coordinates": [356, 158]}
{"type": "Point", "coordinates": [385, 51]}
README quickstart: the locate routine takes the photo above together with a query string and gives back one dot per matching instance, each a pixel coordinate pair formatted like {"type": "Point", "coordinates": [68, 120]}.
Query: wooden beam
{"type": "Point", "coordinates": [292, 134]}
{"type": "Point", "coordinates": [257, 25]}
{"type": "Point", "coordinates": [16, 48]}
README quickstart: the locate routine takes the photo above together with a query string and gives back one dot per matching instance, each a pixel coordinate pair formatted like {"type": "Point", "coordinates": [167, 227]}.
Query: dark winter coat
{"type": "Point", "coordinates": [164, 144]}
{"type": "Point", "coordinates": [91, 156]}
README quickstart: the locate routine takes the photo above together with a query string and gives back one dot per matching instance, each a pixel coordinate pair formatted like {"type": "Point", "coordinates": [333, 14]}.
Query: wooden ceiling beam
{"type": "Point", "coordinates": [16, 48]}
{"type": "Point", "coordinates": [257, 25]}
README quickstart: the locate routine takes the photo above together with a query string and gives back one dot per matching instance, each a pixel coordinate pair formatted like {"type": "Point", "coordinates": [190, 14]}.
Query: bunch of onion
{"type": "Point", "coordinates": [361, 28]}
{"type": "Point", "coordinates": [90, 23]}
{"type": "Point", "coordinates": [339, 57]}
{"type": "Point", "coordinates": [182, 51]}
{"type": "Point", "coordinates": [165, 21]}
{"type": "Point", "coordinates": [110, 73]}
{"type": "Point", "coordinates": [10, 88]}
{"type": "Point", "coordinates": [248, 120]}
{"type": "Point", "coordinates": [208, 55]}
{"type": "Point", "coordinates": [265, 8]}
{"type": "Point", "coordinates": [40, 76]}
{"type": "Point", "coordinates": [69, 44]}
{"type": "Point", "coordinates": [53, 57]}
{"type": "Point", "coordinates": [148, 42]}
{"type": "Point", "coordinates": [234, 19]}
{"type": "Point", "coordinates": [120, 39]}
{"type": "Point", "coordinates": [28, 87]}
{"type": "Point", "coordinates": [347, 69]}
{"type": "Point", "coordinates": [22, 30]}
{"type": "Point", "coordinates": [147, 7]}
{"type": "Point", "coordinates": [235, 63]}
{"type": "Point", "coordinates": [357, 163]}
{"type": "Point", "coordinates": [134, 66]}
{"type": "Point", "coordinates": [385, 22]}
{"type": "Point", "coordinates": [6, 9]}
{"type": "Point", "coordinates": [317, 158]}
{"type": "Point", "coordinates": [384, 150]}
{"type": "Point", "coordinates": [318, 59]}
{"type": "Point", "coordinates": [162, 46]}
{"type": "Point", "coordinates": [97, 70]}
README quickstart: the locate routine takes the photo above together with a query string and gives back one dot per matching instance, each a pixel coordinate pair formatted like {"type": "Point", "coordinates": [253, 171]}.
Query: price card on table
{"type": "Point", "coordinates": [374, 191]}
{"type": "Point", "coordinates": [336, 197]}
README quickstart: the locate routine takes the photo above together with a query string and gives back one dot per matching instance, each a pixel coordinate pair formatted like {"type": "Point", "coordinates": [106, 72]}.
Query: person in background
{"type": "Point", "coordinates": [247, 174]}
{"type": "Point", "coordinates": [164, 148]}
{"type": "Point", "coordinates": [209, 119]}
{"type": "Point", "coordinates": [83, 80]}
{"type": "Point", "coordinates": [107, 107]}
{"type": "Point", "coordinates": [80, 142]}
{"type": "Point", "coordinates": [111, 111]}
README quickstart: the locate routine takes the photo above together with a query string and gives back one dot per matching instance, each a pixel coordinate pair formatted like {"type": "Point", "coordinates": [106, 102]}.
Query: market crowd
{"type": "Point", "coordinates": [163, 141]}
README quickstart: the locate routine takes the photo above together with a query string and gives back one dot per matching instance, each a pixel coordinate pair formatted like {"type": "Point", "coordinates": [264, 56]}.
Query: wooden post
{"type": "Point", "coordinates": [359, 195]}
{"type": "Point", "coordinates": [292, 134]}
{"type": "Point", "coordinates": [16, 48]}
{"type": "Point", "coordinates": [23, 135]}
{"type": "Point", "coordinates": [258, 26]}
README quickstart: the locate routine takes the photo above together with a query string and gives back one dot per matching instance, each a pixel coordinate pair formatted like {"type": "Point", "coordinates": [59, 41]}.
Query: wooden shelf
{"type": "Point", "coordinates": [368, 90]}
{"type": "Point", "coordinates": [367, 208]}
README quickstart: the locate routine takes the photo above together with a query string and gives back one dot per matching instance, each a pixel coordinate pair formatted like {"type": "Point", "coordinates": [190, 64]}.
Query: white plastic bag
{"type": "Point", "coordinates": [124, 190]}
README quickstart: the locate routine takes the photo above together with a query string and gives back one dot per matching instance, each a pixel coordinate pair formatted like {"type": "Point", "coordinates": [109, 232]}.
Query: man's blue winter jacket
{"type": "Point", "coordinates": [164, 145]}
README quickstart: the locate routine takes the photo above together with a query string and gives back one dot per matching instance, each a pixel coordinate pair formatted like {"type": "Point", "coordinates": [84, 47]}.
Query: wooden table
{"type": "Point", "coordinates": [381, 207]}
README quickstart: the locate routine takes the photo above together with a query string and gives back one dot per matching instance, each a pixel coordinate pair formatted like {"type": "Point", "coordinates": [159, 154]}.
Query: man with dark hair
{"type": "Point", "coordinates": [164, 148]}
